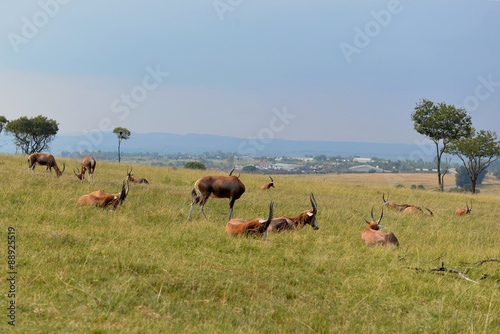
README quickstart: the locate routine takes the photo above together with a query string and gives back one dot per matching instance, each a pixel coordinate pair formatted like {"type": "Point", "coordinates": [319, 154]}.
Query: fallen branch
{"type": "Point", "coordinates": [402, 258]}
{"type": "Point", "coordinates": [482, 261]}
{"type": "Point", "coordinates": [439, 257]}
{"type": "Point", "coordinates": [461, 274]}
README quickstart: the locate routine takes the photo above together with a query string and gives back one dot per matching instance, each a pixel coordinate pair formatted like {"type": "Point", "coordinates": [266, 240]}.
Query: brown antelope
{"type": "Point", "coordinates": [462, 211]}
{"type": "Point", "coordinates": [221, 187]}
{"type": "Point", "coordinates": [268, 185]}
{"type": "Point", "coordinates": [135, 179]}
{"type": "Point", "coordinates": [307, 217]}
{"type": "Point", "coordinates": [255, 227]}
{"type": "Point", "coordinates": [88, 163]}
{"type": "Point", "coordinates": [416, 210]}
{"type": "Point", "coordinates": [399, 207]}
{"type": "Point", "coordinates": [101, 199]}
{"type": "Point", "coordinates": [372, 236]}
{"type": "Point", "coordinates": [44, 160]}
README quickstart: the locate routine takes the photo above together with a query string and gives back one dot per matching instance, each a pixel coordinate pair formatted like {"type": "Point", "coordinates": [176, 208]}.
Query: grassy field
{"type": "Point", "coordinates": [146, 269]}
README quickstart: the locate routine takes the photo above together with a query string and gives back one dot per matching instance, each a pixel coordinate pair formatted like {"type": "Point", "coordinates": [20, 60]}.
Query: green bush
{"type": "Point", "coordinates": [194, 165]}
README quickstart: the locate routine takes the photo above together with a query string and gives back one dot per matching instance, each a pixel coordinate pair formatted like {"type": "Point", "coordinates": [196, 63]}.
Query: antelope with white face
{"type": "Point", "coordinates": [254, 227]}
{"type": "Point", "coordinates": [135, 179]}
{"type": "Point", "coordinates": [88, 164]}
{"type": "Point", "coordinates": [372, 235]}
{"type": "Point", "coordinates": [101, 199]}
{"type": "Point", "coordinates": [307, 217]}
{"type": "Point", "coordinates": [44, 159]}
{"type": "Point", "coordinates": [268, 185]}
{"type": "Point", "coordinates": [462, 211]}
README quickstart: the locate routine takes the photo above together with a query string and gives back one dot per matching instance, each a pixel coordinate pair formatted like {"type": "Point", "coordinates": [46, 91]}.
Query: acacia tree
{"type": "Point", "coordinates": [32, 134]}
{"type": "Point", "coordinates": [122, 133]}
{"type": "Point", "coordinates": [3, 122]}
{"type": "Point", "coordinates": [477, 152]}
{"type": "Point", "coordinates": [442, 124]}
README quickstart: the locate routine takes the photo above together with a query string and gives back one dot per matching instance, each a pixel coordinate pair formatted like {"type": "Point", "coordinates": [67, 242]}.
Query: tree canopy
{"type": "Point", "coordinates": [3, 122]}
{"type": "Point", "coordinates": [194, 165]}
{"type": "Point", "coordinates": [442, 124]}
{"type": "Point", "coordinates": [477, 152]}
{"type": "Point", "coordinates": [32, 134]}
{"type": "Point", "coordinates": [121, 133]}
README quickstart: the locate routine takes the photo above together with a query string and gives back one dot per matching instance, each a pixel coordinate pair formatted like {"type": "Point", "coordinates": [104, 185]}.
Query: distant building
{"type": "Point", "coordinates": [362, 160]}
{"type": "Point", "coordinates": [366, 169]}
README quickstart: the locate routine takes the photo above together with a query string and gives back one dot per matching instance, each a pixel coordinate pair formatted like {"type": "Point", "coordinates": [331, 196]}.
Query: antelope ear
{"type": "Point", "coordinates": [382, 227]}
{"type": "Point", "coordinates": [310, 214]}
{"type": "Point", "coordinates": [262, 221]}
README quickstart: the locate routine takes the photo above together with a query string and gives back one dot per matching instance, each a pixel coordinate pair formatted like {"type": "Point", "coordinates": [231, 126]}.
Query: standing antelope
{"type": "Point", "coordinates": [44, 160]}
{"type": "Point", "coordinates": [462, 211]}
{"type": "Point", "coordinates": [256, 226]}
{"type": "Point", "coordinates": [307, 217]}
{"type": "Point", "coordinates": [101, 199]}
{"type": "Point", "coordinates": [221, 187]}
{"type": "Point", "coordinates": [372, 236]}
{"type": "Point", "coordinates": [268, 185]}
{"type": "Point", "coordinates": [399, 207]}
{"type": "Point", "coordinates": [135, 179]}
{"type": "Point", "coordinates": [88, 163]}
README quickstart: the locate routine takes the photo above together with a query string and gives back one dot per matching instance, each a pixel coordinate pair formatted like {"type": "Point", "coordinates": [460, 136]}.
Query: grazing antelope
{"type": "Point", "coordinates": [268, 185]}
{"type": "Point", "coordinates": [256, 226]}
{"type": "Point", "coordinates": [221, 187]}
{"type": "Point", "coordinates": [462, 211]}
{"type": "Point", "coordinates": [135, 179]}
{"type": "Point", "coordinates": [101, 199]}
{"type": "Point", "coordinates": [399, 207]}
{"type": "Point", "coordinates": [415, 209]}
{"type": "Point", "coordinates": [88, 163]}
{"type": "Point", "coordinates": [44, 160]}
{"type": "Point", "coordinates": [372, 236]}
{"type": "Point", "coordinates": [307, 217]}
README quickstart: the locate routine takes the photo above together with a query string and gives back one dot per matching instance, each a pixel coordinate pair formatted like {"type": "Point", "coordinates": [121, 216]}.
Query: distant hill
{"type": "Point", "coordinates": [165, 143]}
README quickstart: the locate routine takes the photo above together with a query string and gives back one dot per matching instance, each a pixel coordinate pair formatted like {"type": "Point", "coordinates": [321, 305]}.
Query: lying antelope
{"type": "Point", "coordinates": [256, 226]}
{"type": "Point", "coordinates": [135, 179]}
{"type": "Point", "coordinates": [101, 199]}
{"type": "Point", "coordinates": [307, 217]}
{"type": "Point", "coordinates": [44, 160]}
{"type": "Point", "coordinates": [462, 211]}
{"type": "Point", "coordinates": [399, 207]}
{"type": "Point", "coordinates": [416, 210]}
{"type": "Point", "coordinates": [221, 187]}
{"type": "Point", "coordinates": [88, 163]}
{"type": "Point", "coordinates": [372, 236]}
{"type": "Point", "coordinates": [268, 185]}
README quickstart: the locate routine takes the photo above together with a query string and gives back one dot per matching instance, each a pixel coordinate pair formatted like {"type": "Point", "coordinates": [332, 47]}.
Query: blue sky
{"type": "Point", "coordinates": [340, 70]}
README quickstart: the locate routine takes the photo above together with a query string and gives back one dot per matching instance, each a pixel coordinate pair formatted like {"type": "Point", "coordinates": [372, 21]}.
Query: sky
{"type": "Point", "coordinates": [300, 70]}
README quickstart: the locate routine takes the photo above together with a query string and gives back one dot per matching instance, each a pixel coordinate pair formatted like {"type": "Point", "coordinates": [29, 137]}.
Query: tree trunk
{"type": "Point", "coordinates": [439, 167]}
{"type": "Point", "coordinates": [119, 157]}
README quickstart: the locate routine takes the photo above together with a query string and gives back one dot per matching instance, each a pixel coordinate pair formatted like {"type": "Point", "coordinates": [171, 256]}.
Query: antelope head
{"type": "Point", "coordinates": [375, 225]}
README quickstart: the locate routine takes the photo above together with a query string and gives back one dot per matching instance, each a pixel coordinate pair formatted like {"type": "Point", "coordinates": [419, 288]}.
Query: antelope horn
{"type": "Point", "coordinates": [371, 213]}
{"type": "Point", "coordinates": [271, 179]}
{"type": "Point", "coordinates": [231, 173]}
{"type": "Point", "coordinates": [75, 172]}
{"type": "Point", "coordinates": [381, 215]}
{"type": "Point", "coordinates": [470, 206]}
{"type": "Point", "coordinates": [467, 205]}
{"type": "Point", "coordinates": [64, 167]}
{"type": "Point", "coordinates": [367, 222]}
{"type": "Point", "coordinates": [313, 203]}
{"type": "Point", "coordinates": [270, 216]}
{"type": "Point", "coordinates": [429, 211]}
{"type": "Point", "coordinates": [383, 198]}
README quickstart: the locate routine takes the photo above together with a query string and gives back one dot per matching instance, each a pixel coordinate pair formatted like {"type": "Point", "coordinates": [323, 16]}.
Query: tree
{"type": "Point", "coordinates": [320, 157]}
{"type": "Point", "coordinates": [442, 124]}
{"type": "Point", "coordinates": [3, 122]}
{"type": "Point", "coordinates": [121, 133]}
{"type": "Point", "coordinates": [477, 152]}
{"type": "Point", "coordinates": [462, 178]}
{"type": "Point", "coordinates": [249, 169]}
{"type": "Point", "coordinates": [194, 165]}
{"type": "Point", "coordinates": [32, 134]}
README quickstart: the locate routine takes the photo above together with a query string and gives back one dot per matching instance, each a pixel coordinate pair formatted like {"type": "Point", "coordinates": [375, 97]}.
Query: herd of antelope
{"type": "Point", "coordinates": [232, 188]}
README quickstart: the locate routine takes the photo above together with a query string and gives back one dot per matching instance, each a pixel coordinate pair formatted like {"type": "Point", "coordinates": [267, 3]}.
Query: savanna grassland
{"type": "Point", "coordinates": [145, 269]}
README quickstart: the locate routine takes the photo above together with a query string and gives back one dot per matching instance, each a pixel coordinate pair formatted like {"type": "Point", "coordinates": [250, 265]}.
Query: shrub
{"type": "Point", "coordinates": [194, 165]}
